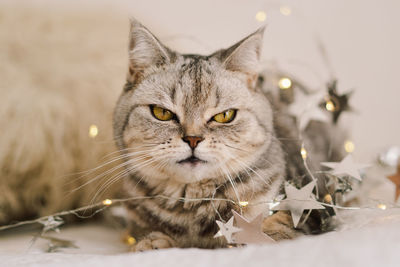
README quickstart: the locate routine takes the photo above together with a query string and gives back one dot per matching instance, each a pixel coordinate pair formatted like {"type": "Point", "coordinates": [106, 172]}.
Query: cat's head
{"type": "Point", "coordinates": [192, 117]}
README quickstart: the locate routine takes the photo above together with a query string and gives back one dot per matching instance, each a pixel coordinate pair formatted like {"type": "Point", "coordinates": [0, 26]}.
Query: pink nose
{"type": "Point", "coordinates": [192, 141]}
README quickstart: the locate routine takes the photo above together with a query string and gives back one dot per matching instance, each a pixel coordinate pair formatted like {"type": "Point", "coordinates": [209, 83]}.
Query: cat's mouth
{"type": "Point", "coordinates": [192, 160]}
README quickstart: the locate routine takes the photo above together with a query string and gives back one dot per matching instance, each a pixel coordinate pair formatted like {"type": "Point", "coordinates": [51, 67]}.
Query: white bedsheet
{"type": "Point", "coordinates": [367, 238]}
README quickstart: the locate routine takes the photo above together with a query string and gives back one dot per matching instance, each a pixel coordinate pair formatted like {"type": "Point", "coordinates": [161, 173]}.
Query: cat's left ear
{"type": "Point", "coordinates": [145, 51]}
{"type": "Point", "coordinates": [244, 56]}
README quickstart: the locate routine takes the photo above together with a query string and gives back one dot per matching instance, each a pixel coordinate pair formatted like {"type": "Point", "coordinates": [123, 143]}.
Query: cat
{"type": "Point", "coordinates": [45, 142]}
{"type": "Point", "coordinates": [191, 127]}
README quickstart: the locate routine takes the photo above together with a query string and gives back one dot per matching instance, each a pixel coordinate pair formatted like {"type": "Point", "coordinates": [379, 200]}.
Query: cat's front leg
{"type": "Point", "coordinates": [279, 226]}
{"type": "Point", "coordinates": [199, 190]}
{"type": "Point", "coordinates": [154, 240]}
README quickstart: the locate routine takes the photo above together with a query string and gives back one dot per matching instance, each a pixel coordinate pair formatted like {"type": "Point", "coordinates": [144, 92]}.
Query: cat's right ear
{"type": "Point", "coordinates": [145, 51]}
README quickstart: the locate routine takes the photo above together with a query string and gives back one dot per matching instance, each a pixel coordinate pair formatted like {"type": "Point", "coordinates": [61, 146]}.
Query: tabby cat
{"type": "Point", "coordinates": [193, 127]}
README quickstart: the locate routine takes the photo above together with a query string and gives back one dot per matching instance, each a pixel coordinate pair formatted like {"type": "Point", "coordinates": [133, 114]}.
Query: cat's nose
{"type": "Point", "coordinates": [192, 141]}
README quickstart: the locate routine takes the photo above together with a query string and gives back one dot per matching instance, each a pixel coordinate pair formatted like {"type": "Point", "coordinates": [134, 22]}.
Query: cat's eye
{"type": "Point", "coordinates": [226, 116]}
{"type": "Point", "coordinates": [162, 114]}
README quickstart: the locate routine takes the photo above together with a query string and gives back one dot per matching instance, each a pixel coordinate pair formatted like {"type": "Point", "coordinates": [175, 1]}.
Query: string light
{"type": "Point", "coordinates": [285, 10]}
{"type": "Point", "coordinates": [303, 153]}
{"type": "Point", "coordinates": [382, 206]}
{"type": "Point", "coordinates": [93, 131]}
{"type": "Point", "coordinates": [330, 106]}
{"type": "Point", "coordinates": [107, 202]}
{"type": "Point", "coordinates": [349, 146]}
{"type": "Point", "coordinates": [243, 203]}
{"type": "Point", "coordinates": [284, 83]}
{"type": "Point", "coordinates": [129, 240]}
{"type": "Point", "coordinates": [261, 16]}
{"type": "Point", "coordinates": [328, 198]}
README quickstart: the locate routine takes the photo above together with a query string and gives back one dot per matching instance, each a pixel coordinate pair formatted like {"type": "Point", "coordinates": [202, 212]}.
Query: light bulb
{"type": "Point", "coordinates": [261, 16]}
{"type": "Point", "coordinates": [284, 83]}
{"type": "Point", "coordinates": [93, 131]}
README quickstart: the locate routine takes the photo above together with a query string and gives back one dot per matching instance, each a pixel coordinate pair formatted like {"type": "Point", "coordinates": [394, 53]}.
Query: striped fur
{"type": "Point", "coordinates": [245, 159]}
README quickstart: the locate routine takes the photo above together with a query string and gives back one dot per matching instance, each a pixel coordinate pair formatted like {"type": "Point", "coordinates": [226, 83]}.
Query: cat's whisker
{"type": "Point", "coordinates": [240, 149]}
{"type": "Point", "coordinates": [119, 151]}
{"type": "Point", "coordinates": [121, 174]}
{"type": "Point", "coordinates": [88, 172]}
{"type": "Point", "coordinates": [251, 169]}
{"type": "Point", "coordinates": [102, 175]}
{"type": "Point", "coordinates": [245, 167]}
{"type": "Point", "coordinates": [249, 175]}
{"type": "Point", "coordinates": [229, 177]}
{"type": "Point", "coordinates": [248, 168]}
{"type": "Point", "coordinates": [107, 184]}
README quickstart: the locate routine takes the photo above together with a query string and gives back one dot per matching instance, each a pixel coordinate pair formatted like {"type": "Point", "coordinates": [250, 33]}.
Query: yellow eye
{"type": "Point", "coordinates": [226, 116]}
{"type": "Point", "coordinates": [162, 114]}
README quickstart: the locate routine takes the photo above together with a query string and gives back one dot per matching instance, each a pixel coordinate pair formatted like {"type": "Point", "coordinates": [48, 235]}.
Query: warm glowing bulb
{"type": "Point", "coordinates": [303, 153]}
{"type": "Point", "coordinates": [285, 83]}
{"type": "Point", "coordinates": [261, 16]}
{"type": "Point", "coordinates": [243, 203]}
{"type": "Point", "coordinates": [285, 10]}
{"type": "Point", "coordinates": [330, 106]}
{"type": "Point", "coordinates": [328, 198]}
{"type": "Point", "coordinates": [382, 206]}
{"type": "Point", "coordinates": [93, 131]}
{"type": "Point", "coordinates": [130, 240]}
{"type": "Point", "coordinates": [107, 202]}
{"type": "Point", "coordinates": [349, 146]}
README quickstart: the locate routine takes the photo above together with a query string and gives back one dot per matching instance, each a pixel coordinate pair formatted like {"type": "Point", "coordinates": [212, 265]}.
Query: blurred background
{"type": "Point", "coordinates": [361, 39]}
{"type": "Point", "coordinates": [63, 65]}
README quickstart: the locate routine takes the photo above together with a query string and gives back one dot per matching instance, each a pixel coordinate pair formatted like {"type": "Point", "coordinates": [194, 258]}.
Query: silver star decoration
{"type": "Point", "coordinates": [251, 231]}
{"type": "Point", "coordinates": [227, 230]}
{"type": "Point", "coordinates": [346, 167]}
{"type": "Point", "coordinates": [306, 109]}
{"type": "Point", "coordinates": [52, 223]}
{"type": "Point", "coordinates": [298, 200]}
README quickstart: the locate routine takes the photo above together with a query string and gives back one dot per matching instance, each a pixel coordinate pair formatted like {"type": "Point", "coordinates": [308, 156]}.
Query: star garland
{"type": "Point", "coordinates": [347, 167]}
{"type": "Point", "coordinates": [298, 200]}
{"type": "Point", "coordinates": [335, 103]}
{"type": "Point", "coordinates": [226, 230]}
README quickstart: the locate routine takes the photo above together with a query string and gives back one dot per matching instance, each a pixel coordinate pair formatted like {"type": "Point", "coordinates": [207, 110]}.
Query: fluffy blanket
{"type": "Point", "coordinates": [366, 238]}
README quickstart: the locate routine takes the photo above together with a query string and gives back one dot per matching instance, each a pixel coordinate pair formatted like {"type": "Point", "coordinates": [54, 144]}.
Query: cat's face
{"type": "Point", "coordinates": [190, 118]}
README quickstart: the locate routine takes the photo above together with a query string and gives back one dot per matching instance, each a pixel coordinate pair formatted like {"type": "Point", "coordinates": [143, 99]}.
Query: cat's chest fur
{"type": "Point", "coordinates": [187, 212]}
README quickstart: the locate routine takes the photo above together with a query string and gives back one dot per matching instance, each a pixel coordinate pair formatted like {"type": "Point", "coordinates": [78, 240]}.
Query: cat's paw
{"type": "Point", "coordinates": [203, 189]}
{"type": "Point", "coordinates": [280, 226]}
{"type": "Point", "coordinates": [154, 240]}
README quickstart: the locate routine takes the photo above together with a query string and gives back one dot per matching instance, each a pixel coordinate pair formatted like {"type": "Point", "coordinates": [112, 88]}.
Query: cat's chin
{"type": "Point", "coordinates": [191, 171]}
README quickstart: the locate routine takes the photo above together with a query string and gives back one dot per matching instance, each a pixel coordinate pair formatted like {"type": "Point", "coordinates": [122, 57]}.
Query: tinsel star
{"type": "Point", "coordinates": [347, 167]}
{"type": "Point", "coordinates": [251, 230]}
{"type": "Point", "coordinates": [52, 223]}
{"type": "Point", "coordinates": [395, 178]}
{"type": "Point", "coordinates": [298, 200]}
{"type": "Point", "coordinates": [227, 230]}
{"type": "Point", "coordinates": [306, 109]}
{"type": "Point", "coordinates": [336, 103]}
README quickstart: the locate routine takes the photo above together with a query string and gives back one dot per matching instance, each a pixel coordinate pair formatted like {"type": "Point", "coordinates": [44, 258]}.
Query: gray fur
{"type": "Point", "coordinates": [245, 159]}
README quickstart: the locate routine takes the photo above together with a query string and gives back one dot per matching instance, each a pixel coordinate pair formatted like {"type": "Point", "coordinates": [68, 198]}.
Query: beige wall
{"type": "Point", "coordinates": [362, 38]}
